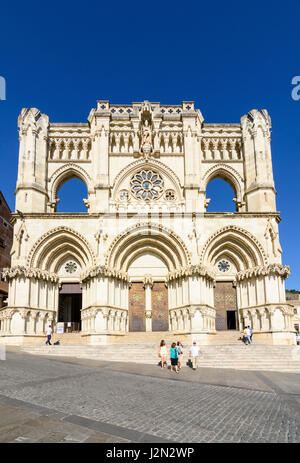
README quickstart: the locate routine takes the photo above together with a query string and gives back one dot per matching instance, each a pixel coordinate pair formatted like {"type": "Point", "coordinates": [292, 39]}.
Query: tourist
{"type": "Point", "coordinates": [251, 333]}
{"type": "Point", "coordinates": [194, 355]}
{"type": "Point", "coordinates": [243, 337]}
{"type": "Point", "coordinates": [163, 353]}
{"type": "Point", "coordinates": [247, 335]}
{"type": "Point", "coordinates": [174, 357]}
{"type": "Point", "coordinates": [180, 354]}
{"type": "Point", "coordinates": [49, 333]}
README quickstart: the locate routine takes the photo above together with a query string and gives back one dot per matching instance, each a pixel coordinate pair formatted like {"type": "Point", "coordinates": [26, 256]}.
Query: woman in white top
{"type": "Point", "coordinates": [163, 353]}
{"type": "Point", "coordinates": [180, 354]}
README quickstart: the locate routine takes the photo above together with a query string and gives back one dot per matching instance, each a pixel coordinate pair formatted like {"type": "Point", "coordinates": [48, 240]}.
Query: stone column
{"type": "Point", "coordinates": [5, 323]}
{"type": "Point", "coordinates": [148, 283]}
{"type": "Point", "coordinates": [271, 311]}
{"type": "Point", "coordinates": [33, 316]}
{"type": "Point", "coordinates": [9, 323]}
{"type": "Point", "coordinates": [24, 317]}
{"type": "Point", "coordinates": [93, 320]}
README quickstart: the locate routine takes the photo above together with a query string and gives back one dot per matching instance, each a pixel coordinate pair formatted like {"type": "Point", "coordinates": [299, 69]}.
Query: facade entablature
{"type": "Point", "coordinates": [164, 112]}
{"type": "Point", "coordinates": [69, 142]}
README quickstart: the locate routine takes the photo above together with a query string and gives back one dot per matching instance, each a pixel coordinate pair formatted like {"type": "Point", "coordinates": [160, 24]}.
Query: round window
{"type": "Point", "coordinates": [223, 266]}
{"type": "Point", "coordinates": [147, 185]}
{"type": "Point", "coordinates": [71, 267]}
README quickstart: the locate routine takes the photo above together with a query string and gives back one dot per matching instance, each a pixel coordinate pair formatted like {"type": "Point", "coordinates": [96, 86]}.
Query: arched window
{"type": "Point", "coordinates": [71, 195]}
{"type": "Point", "coordinates": [221, 195]}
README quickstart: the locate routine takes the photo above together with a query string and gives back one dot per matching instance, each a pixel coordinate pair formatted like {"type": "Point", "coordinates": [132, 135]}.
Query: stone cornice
{"type": "Point", "coordinates": [106, 310]}
{"type": "Point", "coordinates": [285, 308]}
{"type": "Point", "coordinates": [263, 270]}
{"type": "Point", "coordinates": [7, 312]}
{"type": "Point", "coordinates": [189, 270]}
{"type": "Point", "coordinates": [95, 215]}
{"type": "Point", "coordinates": [104, 271]}
{"type": "Point", "coordinates": [190, 310]}
{"type": "Point", "coordinates": [261, 186]}
{"type": "Point", "coordinates": [28, 272]}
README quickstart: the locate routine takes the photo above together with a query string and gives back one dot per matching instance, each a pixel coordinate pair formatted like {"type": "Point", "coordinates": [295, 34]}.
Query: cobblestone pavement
{"type": "Point", "coordinates": [55, 400]}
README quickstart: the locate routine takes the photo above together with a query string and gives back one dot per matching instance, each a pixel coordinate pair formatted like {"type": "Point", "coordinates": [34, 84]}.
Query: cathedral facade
{"type": "Point", "coordinates": [146, 256]}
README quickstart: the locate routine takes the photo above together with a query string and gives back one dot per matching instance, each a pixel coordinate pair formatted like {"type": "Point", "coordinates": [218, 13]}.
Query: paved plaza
{"type": "Point", "coordinates": [78, 400]}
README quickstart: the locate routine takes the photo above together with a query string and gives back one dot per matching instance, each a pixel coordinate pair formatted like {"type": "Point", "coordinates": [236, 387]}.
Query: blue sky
{"type": "Point", "coordinates": [228, 57]}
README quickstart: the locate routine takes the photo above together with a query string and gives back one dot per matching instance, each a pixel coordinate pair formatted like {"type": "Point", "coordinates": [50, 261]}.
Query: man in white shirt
{"type": "Point", "coordinates": [49, 333]}
{"type": "Point", "coordinates": [194, 354]}
{"type": "Point", "coordinates": [247, 334]}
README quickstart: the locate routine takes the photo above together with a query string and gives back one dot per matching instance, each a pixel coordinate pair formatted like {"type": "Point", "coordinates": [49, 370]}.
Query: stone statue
{"type": "Point", "coordinates": [146, 144]}
{"type": "Point", "coordinates": [146, 134]}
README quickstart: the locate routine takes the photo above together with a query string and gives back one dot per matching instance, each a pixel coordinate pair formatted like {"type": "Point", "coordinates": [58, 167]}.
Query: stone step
{"type": "Point", "coordinates": [153, 356]}
{"type": "Point", "coordinates": [225, 351]}
{"type": "Point", "coordinates": [216, 350]}
{"type": "Point", "coordinates": [220, 338]}
{"type": "Point", "coordinates": [207, 348]}
{"type": "Point", "coordinates": [273, 358]}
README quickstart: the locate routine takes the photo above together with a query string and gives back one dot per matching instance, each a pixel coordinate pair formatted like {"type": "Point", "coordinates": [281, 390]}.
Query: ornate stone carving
{"type": "Point", "coordinates": [103, 270]}
{"type": "Point", "coordinates": [263, 270]}
{"type": "Point", "coordinates": [148, 280]}
{"type": "Point", "coordinates": [239, 231]}
{"type": "Point", "coordinates": [199, 270]}
{"type": "Point", "coordinates": [148, 226]}
{"type": "Point", "coordinates": [29, 272]}
{"type": "Point", "coordinates": [20, 236]}
{"type": "Point", "coordinates": [35, 248]}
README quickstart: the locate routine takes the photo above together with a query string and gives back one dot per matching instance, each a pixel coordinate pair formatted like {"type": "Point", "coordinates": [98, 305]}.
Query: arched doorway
{"type": "Point", "coordinates": [64, 252]}
{"type": "Point", "coordinates": [149, 253]}
{"type": "Point", "coordinates": [229, 251]}
{"type": "Point", "coordinates": [225, 303]}
{"type": "Point", "coordinates": [69, 307]}
{"type": "Point", "coordinates": [148, 294]}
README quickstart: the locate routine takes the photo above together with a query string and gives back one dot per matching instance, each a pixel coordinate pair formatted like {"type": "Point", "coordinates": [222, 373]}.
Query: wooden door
{"type": "Point", "coordinates": [225, 300]}
{"type": "Point", "coordinates": [137, 307]}
{"type": "Point", "coordinates": [160, 311]}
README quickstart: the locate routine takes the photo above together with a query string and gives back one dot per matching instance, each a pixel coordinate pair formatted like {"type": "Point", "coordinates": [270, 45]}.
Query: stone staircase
{"type": "Point", "coordinates": [225, 351]}
{"type": "Point", "coordinates": [68, 338]}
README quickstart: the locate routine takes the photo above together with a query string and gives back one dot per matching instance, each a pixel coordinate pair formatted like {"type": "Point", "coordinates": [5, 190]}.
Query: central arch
{"type": "Point", "coordinates": [148, 252]}
{"type": "Point", "coordinates": [148, 237]}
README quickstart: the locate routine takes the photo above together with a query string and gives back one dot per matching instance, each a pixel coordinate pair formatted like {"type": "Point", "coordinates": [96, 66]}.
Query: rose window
{"type": "Point", "coordinates": [223, 266]}
{"type": "Point", "coordinates": [147, 185]}
{"type": "Point", "coordinates": [71, 267]}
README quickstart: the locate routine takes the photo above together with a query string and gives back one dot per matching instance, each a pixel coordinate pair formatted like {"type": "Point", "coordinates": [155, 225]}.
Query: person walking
{"type": "Point", "coordinates": [163, 353]}
{"type": "Point", "coordinates": [174, 357]}
{"type": "Point", "coordinates": [251, 333]}
{"type": "Point", "coordinates": [49, 333]}
{"type": "Point", "coordinates": [180, 354]}
{"type": "Point", "coordinates": [194, 355]}
{"type": "Point", "coordinates": [247, 335]}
